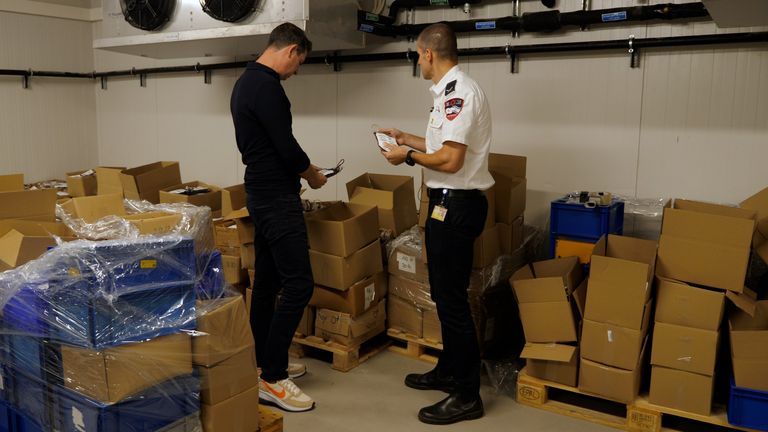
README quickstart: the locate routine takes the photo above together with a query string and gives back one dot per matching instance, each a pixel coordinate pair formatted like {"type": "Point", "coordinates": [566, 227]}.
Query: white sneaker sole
{"type": "Point", "coordinates": [267, 397]}
{"type": "Point", "coordinates": [298, 375]}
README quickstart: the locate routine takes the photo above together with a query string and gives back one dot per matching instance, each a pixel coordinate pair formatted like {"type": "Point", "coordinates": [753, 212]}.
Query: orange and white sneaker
{"type": "Point", "coordinates": [285, 395]}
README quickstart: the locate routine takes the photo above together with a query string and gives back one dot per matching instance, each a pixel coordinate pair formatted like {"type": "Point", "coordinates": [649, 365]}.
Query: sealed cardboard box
{"type": "Point", "coordinates": [223, 330]}
{"type": "Point", "coordinates": [620, 278]}
{"type": "Point", "coordinates": [609, 382]}
{"type": "Point", "coordinates": [487, 247]}
{"type": "Point", "coordinates": [81, 183]}
{"type": "Point", "coordinates": [612, 345]}
{"type": "Point", "coordinates": [552, 362]}
{"type": "Point", "coordinates": [248, 256]}
{"type": "Point", "coordinates": [706, 244]}
{"type": "Point", "coordinates": [412, 291]}
{"type": "Point", "coordinates": [354, 301]}
{"type": "Point", "coordinates": [178, 194]}
{"type": "Point", "coordinates": [237, 414]}
{"type": "Point", "coordinates": [232, 198]}
{"type": "Point", "coordinates": [230, 377]}
{"type": "Point", "coordinates": [146, 181]}
{"type": "Point", "coordinates": [38, 205]}
{"type": "Point", "coordinates": [108, 180]}
{"type": "Point", "coordinates": [681, 390]}
{"type": "Point", "coordinates": [113, 374]}
{"type": "Point", "coordinates": [685, 348]}
{"type": "Point", "coordinates": [342, 229]}
{"type": "Point", "coordinates": [405, 316]}
{"type": "Point", "coordinates": [749, 346]}
{"type": "Point", "coordinates": [225, 233]}
{"type": "Point", "coordinates": [408, 262]}
{"type": "Point", "coordinates": [11, 182]}
{"type": "Point", "coordinates": [511, 236]}
{"type": "Point", "coordinates": [346, 330]}
{"type": "Point", "coordinates": [431, 326]}
{"type": "Point", "coordinates": [392, 194]}
{"type": "Point", "coordinates": [154, 223]}
{"type": "Point", "coordinates": [233, 272]}
{"type": "Point", "coordinates": [759, 203]}
{"type": "Point", "coordinates": [307, 324]}
{"type": "Point", "coordinates": [22, 241]}
{"type": "Point", "coordinates": [684, 305]}
{"type": "Point", "coordinates": [92, 208]}
{"type": "Point", "coordinates": [509, 173]}
{"type": "Point", "coordinates": [544, 295]}
{"type": "Point", "coordinates": [342, 272]}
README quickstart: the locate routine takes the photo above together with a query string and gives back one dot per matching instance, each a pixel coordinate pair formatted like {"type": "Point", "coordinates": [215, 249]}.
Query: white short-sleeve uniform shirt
{"type": "Point", "coordinates": [460, 113]}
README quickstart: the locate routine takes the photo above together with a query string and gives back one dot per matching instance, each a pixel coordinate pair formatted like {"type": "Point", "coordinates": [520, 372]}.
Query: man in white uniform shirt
{"type": "Point", "coordinates": [455, 155]}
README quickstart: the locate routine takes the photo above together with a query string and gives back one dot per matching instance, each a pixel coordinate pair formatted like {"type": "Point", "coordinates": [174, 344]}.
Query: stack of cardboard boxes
{"type": "Point", "coordinates": [345, 254]}
{"type": "Point", "coordinates": [228, 235]}
{"type": "Point", "coordinates": [617, 317]}
{"type": "Point", "coordinates": [550, 295]}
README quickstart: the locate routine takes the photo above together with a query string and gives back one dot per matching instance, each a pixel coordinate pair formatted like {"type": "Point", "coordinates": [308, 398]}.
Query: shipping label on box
{"type": "Point", "coordinates": [342, 229]}
{"type": "Point", "coordinates": [354, 301]}
{"type": "Point", "coordinates": [407, 261]}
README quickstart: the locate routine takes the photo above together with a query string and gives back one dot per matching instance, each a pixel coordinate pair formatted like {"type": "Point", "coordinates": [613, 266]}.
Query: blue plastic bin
{"type": "Point", "coordinates": [30, 400]}
{"type": "Point", "coordinates": [210, 284]}
{"type": "Point", "coordinates": [748, 408]}
{"type": "Point", "coordinates": [574, 221]}
{"type": "Point", "coordinates": [6, 417]}
{"type": "Point", "coordinates": [24, 423]}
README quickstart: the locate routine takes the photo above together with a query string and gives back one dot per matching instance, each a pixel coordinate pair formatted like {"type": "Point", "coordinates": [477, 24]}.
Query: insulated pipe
{"type": "Point", "coordinates": [408, 4]}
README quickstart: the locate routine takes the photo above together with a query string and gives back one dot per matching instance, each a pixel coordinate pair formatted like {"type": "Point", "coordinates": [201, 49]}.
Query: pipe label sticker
{"type": "Point", "coordinates": [371, 17]}
{"type": "Point", "coordinates": [485, 25]}
{"type": "Point", "coordinates": [438, 2]}
{"type": "Point", "coordinates": [614, 16]}
{"type": "Point", "coordinates": [366, 28]}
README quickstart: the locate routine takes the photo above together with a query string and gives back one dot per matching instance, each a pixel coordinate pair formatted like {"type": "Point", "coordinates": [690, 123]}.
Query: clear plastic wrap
{"type": "Point", "coordinates": [502, 374]}
{"type": "Point", "coordinates": [642, 216]}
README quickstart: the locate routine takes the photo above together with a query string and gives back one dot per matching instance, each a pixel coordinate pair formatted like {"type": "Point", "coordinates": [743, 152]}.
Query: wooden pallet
{"type": "Point", "coordinates": [269, 420]}
{"type": "Point", "coordinates": [414, 347]}
{"type": "Point", "coordinates": [344, 358]}
{"type": "Point", "coordinates": [638, 416]}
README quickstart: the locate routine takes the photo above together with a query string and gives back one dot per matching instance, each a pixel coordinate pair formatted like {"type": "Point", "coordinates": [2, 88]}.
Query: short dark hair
{"type": "Point", "coordinates": [289, 34]}
{"type": "Point", "coordinates": [441, 39]}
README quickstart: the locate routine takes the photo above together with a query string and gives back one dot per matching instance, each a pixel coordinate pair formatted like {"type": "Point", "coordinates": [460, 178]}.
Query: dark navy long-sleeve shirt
{"type": "Point", "coordinates": [261, 113]}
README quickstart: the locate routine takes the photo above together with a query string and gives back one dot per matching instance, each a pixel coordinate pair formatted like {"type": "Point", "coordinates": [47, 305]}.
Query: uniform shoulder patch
{"type": "Point", "coordinates": [450, 87]}
{"type": "Point", "coordinates": [453, 108]}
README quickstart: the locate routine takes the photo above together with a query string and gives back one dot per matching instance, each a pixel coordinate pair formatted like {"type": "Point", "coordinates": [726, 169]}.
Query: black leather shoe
{"type": "Point", "coordinates": [451, 410]}
{"type": "Point", "coordinates": [430, 381]}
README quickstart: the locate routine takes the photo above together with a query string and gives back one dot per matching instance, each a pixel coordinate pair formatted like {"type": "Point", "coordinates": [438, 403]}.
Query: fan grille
{"type": "Point", "coordinates": [147, 14]}
{"type": "Point", "coordinates": [228, 10]}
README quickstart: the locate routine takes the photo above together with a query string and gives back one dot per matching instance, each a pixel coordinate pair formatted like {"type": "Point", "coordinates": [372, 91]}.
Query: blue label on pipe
{"type": "Point", "coordinates": [366, 28]}
{"type": "Point", "coordinates": [485, 25]}
{"type": "Point", "coordinates": [615, 16]}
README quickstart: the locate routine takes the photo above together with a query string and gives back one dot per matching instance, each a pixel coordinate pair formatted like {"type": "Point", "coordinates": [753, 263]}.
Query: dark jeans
{"type": "Point", "coordinates": [449, 255]}
{"type": "Point", "coordinates": [282, 262]}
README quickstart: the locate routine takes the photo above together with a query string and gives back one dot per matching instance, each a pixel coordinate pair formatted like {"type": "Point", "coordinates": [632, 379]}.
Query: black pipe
{"type": "Point", "coordinates": [546, 21]}
{"type": "Point", "coordinates": [412, 56]}
{"type": "Point", "coordinates": [410, 4]}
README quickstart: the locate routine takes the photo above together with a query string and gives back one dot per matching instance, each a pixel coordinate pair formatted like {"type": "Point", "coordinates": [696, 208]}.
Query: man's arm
{"type": "Point", "coordinates": [449, 159]}
{"type": "Point", "coordinates": [404, 138]}
{"type": "Point", "coordinates": [273, 110]}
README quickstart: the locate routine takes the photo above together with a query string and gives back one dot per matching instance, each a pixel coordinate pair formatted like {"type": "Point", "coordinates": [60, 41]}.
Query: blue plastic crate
{"type": "Point", "coordinates": [748, 408]}
{"type": "Point", "coordinates": [574, 221]}
{"type": "Point", "coordinates": [22, 312]}
{"type": "Point", "coordinates": [6, 417]}
{"type": "Point", "coordinates": [150, 410]}
{"type": "Point", "coordinates": [210, 284]}
{"type": "Point", "coordinates": [24, 423]}
{"type": "Point", "coordinates": [26, 355]}
{"type": "Point", "coordinates": [30, 400]}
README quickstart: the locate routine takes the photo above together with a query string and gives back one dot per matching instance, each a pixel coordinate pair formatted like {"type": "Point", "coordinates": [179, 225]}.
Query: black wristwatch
{"type": "Point", "coordinates": [408, 159]}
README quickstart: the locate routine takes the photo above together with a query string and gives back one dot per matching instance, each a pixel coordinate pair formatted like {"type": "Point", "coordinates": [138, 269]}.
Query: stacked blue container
{"type": "Point", "coordinates": [579, 222]}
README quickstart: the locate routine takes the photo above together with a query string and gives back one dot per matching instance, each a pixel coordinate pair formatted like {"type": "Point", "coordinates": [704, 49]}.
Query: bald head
{"type": "Point", "coordinates": [441, 40]}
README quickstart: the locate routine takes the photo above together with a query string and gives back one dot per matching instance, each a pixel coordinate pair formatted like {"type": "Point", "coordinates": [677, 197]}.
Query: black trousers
{"type": "Point", "coordinates": [449, 255]}
{"type": "Point", "coordinates": [282, 263]}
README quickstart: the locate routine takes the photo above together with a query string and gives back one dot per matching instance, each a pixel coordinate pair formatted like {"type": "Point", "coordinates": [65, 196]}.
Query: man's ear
{"type": "Point", "coordinates": [293, 50]}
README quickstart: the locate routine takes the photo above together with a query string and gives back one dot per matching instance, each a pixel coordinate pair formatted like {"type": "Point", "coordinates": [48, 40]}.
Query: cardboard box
{"type": "Point", "coordinates": [223, 330]}
{"type": "Point", "coordinates": [248, 300]}
{"type": "Point", "coordinates": [211, 199]}
{"type": "Point", "coordinates": [544, 294]}
{"type": "Point", "coordinates": [706, 244]}
{"type": "Point", "coordinates": [39, 205]}
{"type": "Point", "coordinates": [354, 301]}
{"type": "Point", "coordinates": [392, 194]}
{"type": "Point", "coordinates": [511, 236]}
{"type": "Point", "coordinates": [581, 250]}
{"type": "Point", "coordinates": [236, 414]}
{"type": "Point", "coordinates": [233, 272]}
{"type": "Point", "coordinates": [510, 189]}
{"type": "Point", "coordinates": [431, 329]}
{"type": "Point", "coordinates": [145, 182]}
{"type": "Point", "coordinates": [225, 233]}
{"type": "Point", "coordinates": [246, 231]}
{"type": "Point", "coordinates": [23, 241]}
{"type": "Point", "coordinates": [759, 203]}
{"type": "Point", "coordinates": [346, 330]}
{"type": "Point", "coordinates": [612, 345]}
{"type": "Point", "coordinates": [620, 280]}
{"type": "Point", "coordinates": [113, 374]}
{"type": "Point", "coordinates": [552, 362]}
{"type": "Point", "coordinates": [11, 182]}
{"type": "Point", "coordinates": [342, 229]}
{"type": "Point", "coordinates": [92, 208]}
{"type": "Point", "coordinates": [408, 262]}
{"type": "Point", "coordinates": [230, 377]}
{"type": "Point", "coordinates": [248, 256]}
{"type": "Point", "coordinates": [681, 390]}
{"type": "Point", "coordinates": [681, 304]}
{"type": "Point", "coordinates": [749, 346]}
{"type": "Point", "coordinates": [609, 382]}
{"type": "Point", "coordinates": [412, 291]}
{"type": "Point", "coordinates": [487, 247]}
{"type": "Point", "coordinates": [79, 185]}
{"type": "Point", "coordinates": [423, 206]}
{"type": "Point", "coordinates": [405, 316]}
{"type": "Point", "coordinates": [341, 273]}
{"type": "Point", "coordinates": [232, 198]}
{"type": "Point", "coordinates": [108, 180]}
{"type": "Point", "coordinates": [685, 348]}
{"type": "Point", "coordinates": [307, 324]}
{"type": "Point", "coordinates": [155, 223]}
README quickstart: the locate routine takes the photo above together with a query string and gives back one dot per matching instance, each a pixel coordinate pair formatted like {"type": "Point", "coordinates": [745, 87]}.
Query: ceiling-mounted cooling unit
{"type": "Point", "coordinates": [147, 14]}
{"type": "Point", "coordinates": [228, 10]}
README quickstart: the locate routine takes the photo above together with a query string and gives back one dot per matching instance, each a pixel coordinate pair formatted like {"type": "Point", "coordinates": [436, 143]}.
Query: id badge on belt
{"type": "Point", "coordinates": [440, 210]}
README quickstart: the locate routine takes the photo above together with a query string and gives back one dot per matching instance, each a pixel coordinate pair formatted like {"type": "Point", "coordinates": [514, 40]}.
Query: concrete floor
{"type": "Point", "coordinates": [372, 398]}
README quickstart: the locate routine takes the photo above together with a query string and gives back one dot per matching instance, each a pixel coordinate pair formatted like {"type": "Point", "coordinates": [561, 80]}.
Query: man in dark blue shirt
{"type": "Point", "coordinates": [275, 164]}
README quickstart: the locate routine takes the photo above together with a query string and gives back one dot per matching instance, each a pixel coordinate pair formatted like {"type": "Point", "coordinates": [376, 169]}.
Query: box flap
{"type": "Point", "coordinates": [373, 197]}
{"type": "Point", "coordinates": [93, 208]}
{"type": "Point", "coordinates": [361, 181]}
{"type": "Point", "coordinates": [708, 228]}
{"type": "Point", "coordinates": [510, 165]}
{"type": "Point", "coordinates": [746, 301]}
{"type": "Point", "coordinates": [11, 182]}
{"type": "Point", "coordinates": [232, 198]}
{"type": "Point", "coordinates": [684, 305]}
{"type": "Point", "coordinates": [714, 209]}
{"type": "Point", "coordinates": [551, 352]}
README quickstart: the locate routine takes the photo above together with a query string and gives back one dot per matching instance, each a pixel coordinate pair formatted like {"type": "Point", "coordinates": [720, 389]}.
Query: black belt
{"type": "Point", "coordinates": [454, 193]}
